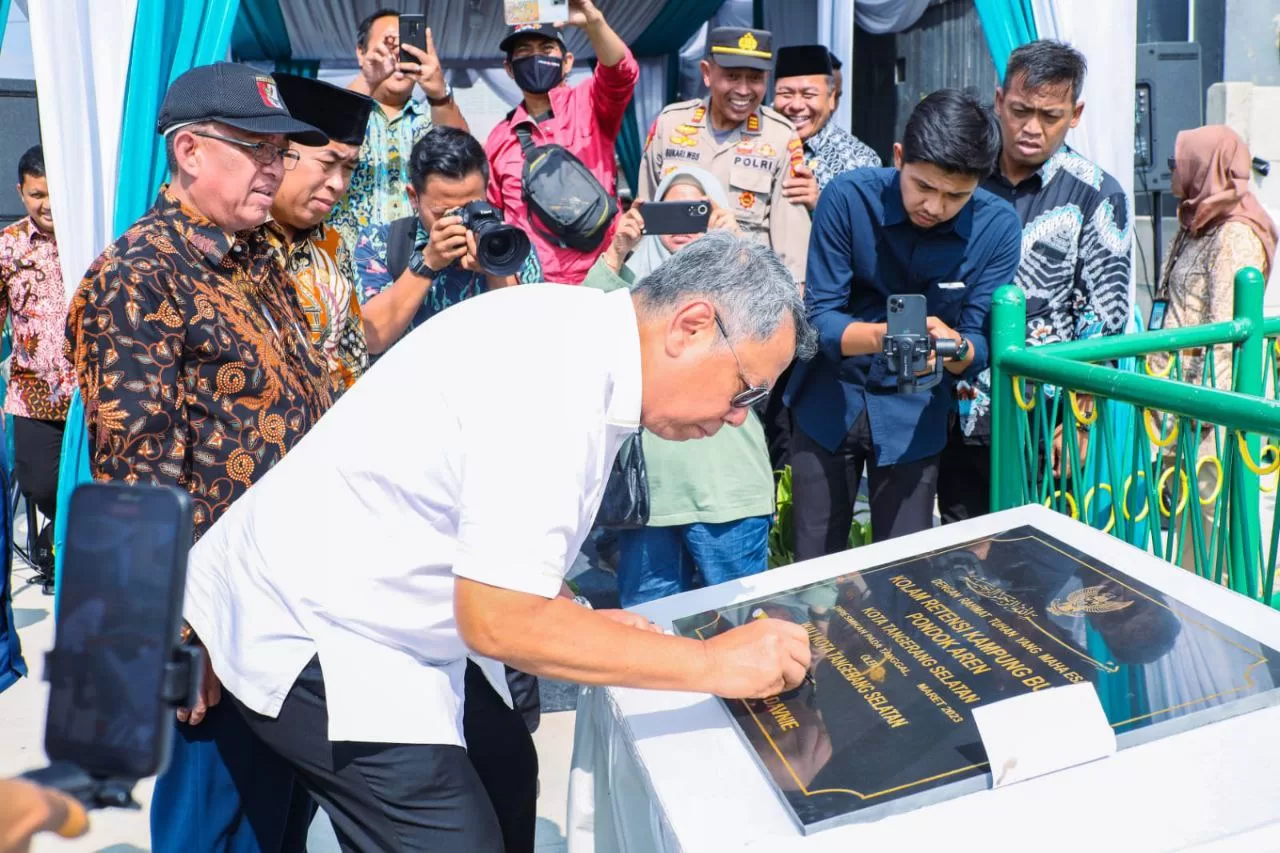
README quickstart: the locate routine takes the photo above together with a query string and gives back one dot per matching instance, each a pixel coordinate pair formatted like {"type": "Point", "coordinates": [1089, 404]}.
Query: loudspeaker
{"type": "Point", "coordinates": [1169, 99]}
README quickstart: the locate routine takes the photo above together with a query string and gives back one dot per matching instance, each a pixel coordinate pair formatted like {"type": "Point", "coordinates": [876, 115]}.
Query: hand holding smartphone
{"type": "Point", "coordinates": [413, 30]}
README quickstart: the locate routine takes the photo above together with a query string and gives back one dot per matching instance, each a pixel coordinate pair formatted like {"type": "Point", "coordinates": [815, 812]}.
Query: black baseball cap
{"type": "Point", "coordinates": [546, 31]}
{"type": "Point", "coordinates": [237, 96]}
{"type": "Point", "coordinates": [736, 47]}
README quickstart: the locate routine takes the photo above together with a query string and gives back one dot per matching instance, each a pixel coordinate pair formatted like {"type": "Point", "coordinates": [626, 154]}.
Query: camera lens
{"type": "Point", "coordinates": [501, 248]}
{"type": "Point", "coordinates": [702, 209]}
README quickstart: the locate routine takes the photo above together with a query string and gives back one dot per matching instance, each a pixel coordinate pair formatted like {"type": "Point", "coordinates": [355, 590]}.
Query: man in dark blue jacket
{"type": "Point", "coordinates": [923, 227]}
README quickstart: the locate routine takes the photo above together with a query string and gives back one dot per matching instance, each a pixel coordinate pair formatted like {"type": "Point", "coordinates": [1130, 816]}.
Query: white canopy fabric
{"type": "Point", "coordinates": [81, 50]}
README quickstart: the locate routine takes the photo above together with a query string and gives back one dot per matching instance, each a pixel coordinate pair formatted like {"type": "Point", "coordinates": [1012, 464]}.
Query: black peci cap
{"type": "Point", "coordinates": [546, 31]}
{"type": "Point", "coordinates": [237, 96]}
{"type": "Point", "coordinates": [836, 63]}
{"type": "Point", "coordinates": [735, 47]}
{"type": "Point", "coordinates": [803, 61]}
{"type": "Point", "coordinates": [341, 114]}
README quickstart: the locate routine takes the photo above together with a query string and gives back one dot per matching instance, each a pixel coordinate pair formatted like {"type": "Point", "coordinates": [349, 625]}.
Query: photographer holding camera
{"type": "Point", "coordinates": [454, 248]}
{"type": "Point", "coordinates": [922, 228]}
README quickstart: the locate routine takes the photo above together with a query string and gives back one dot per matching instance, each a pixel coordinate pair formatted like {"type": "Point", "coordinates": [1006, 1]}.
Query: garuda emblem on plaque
{"type": "Point", "coordinates": [1090, 599]}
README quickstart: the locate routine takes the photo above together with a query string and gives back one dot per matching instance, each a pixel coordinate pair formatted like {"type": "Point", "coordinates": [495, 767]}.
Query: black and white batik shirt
{"type": "Point", "coordinates": [1075, 267]}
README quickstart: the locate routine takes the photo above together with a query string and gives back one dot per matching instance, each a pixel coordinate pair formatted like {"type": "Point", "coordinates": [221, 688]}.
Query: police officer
{"type": "Point", "coordinates": [749, 147]}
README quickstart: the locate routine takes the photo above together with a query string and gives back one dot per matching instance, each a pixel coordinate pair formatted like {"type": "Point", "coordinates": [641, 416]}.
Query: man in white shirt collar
{"type": "Point", "coordinates": [434, 512]}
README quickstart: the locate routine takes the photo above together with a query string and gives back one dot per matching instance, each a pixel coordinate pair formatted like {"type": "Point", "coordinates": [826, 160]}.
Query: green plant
{"type": "Point", "coordinates": [782, 534]}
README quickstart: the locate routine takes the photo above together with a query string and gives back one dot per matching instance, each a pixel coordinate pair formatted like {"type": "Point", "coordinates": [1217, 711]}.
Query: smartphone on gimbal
{"type": "Point", "coordinates": [118, 618]}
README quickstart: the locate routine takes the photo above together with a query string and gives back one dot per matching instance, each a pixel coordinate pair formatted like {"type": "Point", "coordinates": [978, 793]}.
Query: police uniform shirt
{"type": "Point", "coordinates": [751, 163]}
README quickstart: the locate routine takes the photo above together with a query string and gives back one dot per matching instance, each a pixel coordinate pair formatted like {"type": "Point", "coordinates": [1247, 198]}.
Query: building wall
{"type": "Point", "coordinates": [945, 48]}
{"type": "Point", "coordinates": [1252, 52]}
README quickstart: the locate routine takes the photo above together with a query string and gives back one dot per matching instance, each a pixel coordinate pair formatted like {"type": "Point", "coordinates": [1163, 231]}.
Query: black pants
{"type": "Point", "coordinates": [37, 448]}
{"type": "Point", "coordinates": [824, 487]}
{"type": "Point", "coordinates": [964, 479]}
{"type": "Point", "coordinates": [403, 797]}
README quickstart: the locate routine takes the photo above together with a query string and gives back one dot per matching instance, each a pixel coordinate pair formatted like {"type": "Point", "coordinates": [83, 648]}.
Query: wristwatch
{"type": "Point", "coordinates": [442, 101]}
{"type": "Point", "coordinates": [962, 351]}
{"type": "Point", "coordinates": [418, 266]}
{"type": "Point", "coordinates": [582, 600]}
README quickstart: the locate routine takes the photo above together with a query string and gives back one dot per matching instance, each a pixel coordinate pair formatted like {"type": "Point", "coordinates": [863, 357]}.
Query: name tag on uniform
{"type": "Point", "coordinates": [951, 285]}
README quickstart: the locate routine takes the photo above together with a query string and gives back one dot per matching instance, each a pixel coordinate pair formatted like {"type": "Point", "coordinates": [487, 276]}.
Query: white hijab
{"type": "Point", "coordinates": [650, 253]}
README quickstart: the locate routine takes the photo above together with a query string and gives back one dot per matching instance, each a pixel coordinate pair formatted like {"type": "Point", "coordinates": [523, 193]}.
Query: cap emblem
{"type": "Point", "coordinates": [748, 42]}
{"type": "Point", "coordinates": [269, 93]}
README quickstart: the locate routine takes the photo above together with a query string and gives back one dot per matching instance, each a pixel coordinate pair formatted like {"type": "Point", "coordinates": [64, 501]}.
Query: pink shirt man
{"type": "Point", "coordinates": [585, 119]}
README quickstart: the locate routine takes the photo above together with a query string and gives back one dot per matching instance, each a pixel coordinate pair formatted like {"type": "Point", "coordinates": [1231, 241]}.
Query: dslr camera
{"type": "Point", "coordinates": [500, 248]}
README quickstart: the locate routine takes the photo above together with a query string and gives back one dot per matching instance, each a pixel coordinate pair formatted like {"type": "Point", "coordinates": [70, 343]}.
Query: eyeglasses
{"type": "Point", "coordinates": [754, 393]}
{"type": "Point", "coordinates": [263, 153]}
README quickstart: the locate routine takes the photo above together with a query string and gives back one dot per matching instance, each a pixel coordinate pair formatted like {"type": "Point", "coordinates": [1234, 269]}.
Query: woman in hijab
{"type": "Point", "coordinates": [710, 500]}
{"type": "Point", "coordinates": [1222, 229]}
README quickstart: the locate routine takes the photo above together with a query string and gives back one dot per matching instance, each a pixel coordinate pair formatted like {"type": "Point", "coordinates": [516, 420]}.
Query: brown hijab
{"type": "Point", "coordinates": [1212, 179]}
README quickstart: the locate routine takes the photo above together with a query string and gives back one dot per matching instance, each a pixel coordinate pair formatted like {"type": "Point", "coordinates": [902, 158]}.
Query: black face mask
{"type": "Point", "coordinates": [538, 74]}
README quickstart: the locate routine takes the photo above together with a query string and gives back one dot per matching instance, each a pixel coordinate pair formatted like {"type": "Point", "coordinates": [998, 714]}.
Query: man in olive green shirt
{"type": "Point", "coordinates": [710, 500]}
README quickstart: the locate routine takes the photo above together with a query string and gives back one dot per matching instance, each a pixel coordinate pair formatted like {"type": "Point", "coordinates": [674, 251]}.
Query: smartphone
{"type": "Point", "coordinates": [118, 619]}
{"type": "Point", "coordinates": [909, 316]}
{"type": "Point", "coordinates": [676, 217]}
{"type": "Point", "coordinates": [535, 11]}
{"type": "Point", "coordinates": [1159, 307]}
{"type": "Point", "coordinates": [413, 30]}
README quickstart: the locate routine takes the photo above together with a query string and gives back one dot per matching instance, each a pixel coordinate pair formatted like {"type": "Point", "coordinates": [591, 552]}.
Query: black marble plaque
{"type": "Point", "coordinates": [904, 652]}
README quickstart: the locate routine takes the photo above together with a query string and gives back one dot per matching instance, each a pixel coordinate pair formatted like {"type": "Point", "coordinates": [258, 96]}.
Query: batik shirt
{"type": "Point", "coordinates": [317, 265]}
{"type": "Point", "coordinates": [193, 360]}
{"type": "Point", "coordinates": [450, 286]}
{"type": "Point", "coordinates": [377, 193]}
{"type": "Point", "coordinates": [1075, 270]}
{"type": "Point", "coordinates": [833, 150]}
{"type": "Point", "coordinates": [40, 377]}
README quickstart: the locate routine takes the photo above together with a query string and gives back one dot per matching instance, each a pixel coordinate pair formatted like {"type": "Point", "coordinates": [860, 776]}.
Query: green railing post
{"type": "Point", "coordinates": [1249, 287]}
{"type": "Point", "coordinates": [1008, 333]}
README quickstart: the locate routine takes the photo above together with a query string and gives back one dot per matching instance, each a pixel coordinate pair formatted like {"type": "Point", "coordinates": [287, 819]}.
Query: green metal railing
{"type": "Point", "coordinates": [1121, 433]}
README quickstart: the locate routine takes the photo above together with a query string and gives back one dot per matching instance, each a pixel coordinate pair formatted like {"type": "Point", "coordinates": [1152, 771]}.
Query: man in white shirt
{"type": "Point", "coordinates": [434, 512]}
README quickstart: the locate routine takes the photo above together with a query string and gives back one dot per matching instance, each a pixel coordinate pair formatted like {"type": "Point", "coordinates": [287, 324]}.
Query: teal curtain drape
{"type": "Point", "coordinates": [168, 39]}
{"type": "Point", "coordinates": [259, 33]}
{"type": "Point", "coordinates": [1006, 24]}
{"type": "Point", "coordinates": [665, 35]}
{"type": "Point", "coordinates": [4, 18]}
{"type": "Point", "coordinates": [299, 67]}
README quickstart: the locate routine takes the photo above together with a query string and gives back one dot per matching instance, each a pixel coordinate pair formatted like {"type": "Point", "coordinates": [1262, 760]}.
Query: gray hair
{"type": "Point", "coordinates": [747, 283]}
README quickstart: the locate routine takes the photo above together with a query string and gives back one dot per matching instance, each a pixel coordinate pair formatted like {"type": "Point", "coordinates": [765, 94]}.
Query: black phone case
{"type": "Point", "coordinates": [676, 217]}
{"type": "Point", "coordinates": [413, 30]}
{"type": "Point", "coordinates": [90, 497]}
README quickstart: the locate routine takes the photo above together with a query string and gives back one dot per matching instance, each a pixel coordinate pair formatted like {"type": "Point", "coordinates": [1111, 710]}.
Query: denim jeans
{"type": "Point", "coordinates": [654, 562]}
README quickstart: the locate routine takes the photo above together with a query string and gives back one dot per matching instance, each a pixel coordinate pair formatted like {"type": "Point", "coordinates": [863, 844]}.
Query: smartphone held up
{"type": "Point", "coordinates": [519, 12]}
{"type": "Point", "coordinates": [117, 670]}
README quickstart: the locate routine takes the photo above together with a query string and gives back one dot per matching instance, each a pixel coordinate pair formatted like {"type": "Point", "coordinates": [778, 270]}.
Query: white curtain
{"type": "Point", "coordinates": [835, 30]}
{"type": "Point", "coordinates": [887, 16]}
{"type": "Point", "coordinates": [1106, 32]}
{"type": "Point", "coordinates": [81, 51]}
{"type": "Point", "coordinates": [651, 92]}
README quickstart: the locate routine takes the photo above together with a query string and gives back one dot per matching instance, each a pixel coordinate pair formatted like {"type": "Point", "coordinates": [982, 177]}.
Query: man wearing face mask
{"type": "Point", "coordinates": [753, 150]}
{"type": "Point", "coordinates": [585, 119]}
{"type": "Point", "coordinates": [804, 91]}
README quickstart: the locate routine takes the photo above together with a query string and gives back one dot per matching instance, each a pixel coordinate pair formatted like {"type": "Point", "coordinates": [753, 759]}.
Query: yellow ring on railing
{"type": "Point", "coordinates": [1217, 486]}
{"type": "Point", "coordinates": [1017, 397]}
{"type": "Point", "coordinates": [1256, 467]}
{"type": "Point", "coordinates": [1169, 439]}
{"type": "Point", "coordinates": [1075, 409]}
{"type": "Point", "coordinates": [1124, 499]}
{"type": "Point", "coordinates": [1088, 496]}
{"type": "Point", "coordinates": [1168, 368]}
{"type": "Point", "coordinates": [1163, 481]}
{"type": "Point", "coordinates": [1071, 503]}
